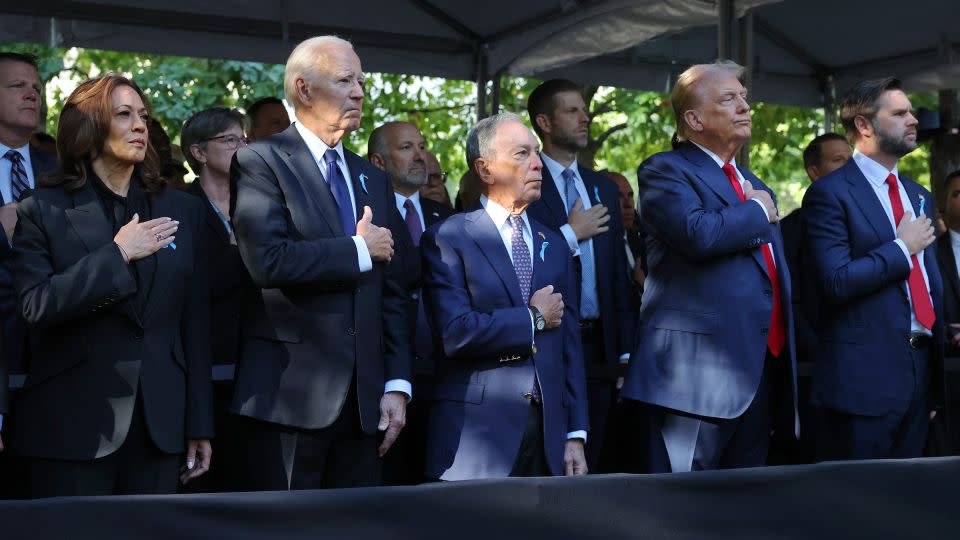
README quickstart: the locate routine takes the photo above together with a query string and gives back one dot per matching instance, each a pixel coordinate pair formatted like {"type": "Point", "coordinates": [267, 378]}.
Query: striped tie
{"type": "Point", "coordinates": [18, 175]}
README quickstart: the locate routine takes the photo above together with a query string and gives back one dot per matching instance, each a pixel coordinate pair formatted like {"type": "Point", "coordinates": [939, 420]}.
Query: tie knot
{"type": "Point", "coordinates": [516, 222]}
{"type": "Point", "coordinates": [728, 170]}
{"type": "Point", "coordinates": [13, 156]}
{"type": "Point", "coordinates": [330, 156]}
{"type": "Point", "coordinates": [568, 175]}
{"type": "Point", "coordinates": [892, 180]}
{"type": "Point", "coordinates": [408, 204]}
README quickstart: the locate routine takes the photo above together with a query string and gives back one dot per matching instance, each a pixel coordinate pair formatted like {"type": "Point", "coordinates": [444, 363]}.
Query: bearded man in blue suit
{"type": "Point", "coordinates": [510, 396]}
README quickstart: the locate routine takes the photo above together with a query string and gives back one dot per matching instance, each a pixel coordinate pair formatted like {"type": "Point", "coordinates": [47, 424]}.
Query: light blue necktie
{"type": "Point", "coordinates": [588, 274]}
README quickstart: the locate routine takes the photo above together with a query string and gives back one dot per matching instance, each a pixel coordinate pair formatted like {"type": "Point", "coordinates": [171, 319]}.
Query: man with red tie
{"type": "Point", "coordinates": [714, 364]}
{"type": "Point", "coordinates": [869, 238]}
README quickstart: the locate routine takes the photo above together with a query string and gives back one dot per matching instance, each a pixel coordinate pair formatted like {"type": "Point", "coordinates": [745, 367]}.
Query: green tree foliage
{"type": "Point", "coordinates": [627, 125]}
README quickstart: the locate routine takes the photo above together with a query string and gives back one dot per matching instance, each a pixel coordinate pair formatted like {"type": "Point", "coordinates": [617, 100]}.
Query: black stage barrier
{"type": "Point", "coordinates": [870, 500]}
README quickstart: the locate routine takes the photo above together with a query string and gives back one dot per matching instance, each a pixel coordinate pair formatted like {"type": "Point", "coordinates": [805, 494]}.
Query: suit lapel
{"type": "Point", "coordinates": [90, 223]}
{"type": "Point", "coordinates": [357, 169]}
{"type": "Point", "coordinates": [757, 253]}
{"type": "Point", "coordinates": [484, 232]}
{"type": "Point", "coordinates": [41, 163]}
{"type": "Point", "coordinates": [711, 174]}
{"type": "Point", "coordinates": [949, 262]}
{"type": "Point", "coordinates": [541, 254]}
{"type": "Point", "coordinates": [210, 215]}
{"type": "Point", "coordinates": [866, 199]}
{"type": "Point", "coordinates": [295, 154]}
{"type": "Point", "coordinates": [551, 197]}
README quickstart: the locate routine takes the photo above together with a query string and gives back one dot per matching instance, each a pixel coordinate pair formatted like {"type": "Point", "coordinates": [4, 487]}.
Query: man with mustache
{"type": "Point", "coordinates": [510, 395]}
{"type": "Point", "coordinates": [20, 166]}
{"type": "Point", "coordinates": [868, 234]}
{"type": "Point", "coordinates": [399, 150]}
{"type": "Point", "coordinates": [714, 363]}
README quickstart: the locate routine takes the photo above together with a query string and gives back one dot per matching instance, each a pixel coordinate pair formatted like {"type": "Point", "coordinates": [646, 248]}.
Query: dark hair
{"type": "Point", "coordinates": [542, 99]}
{"type": "Point", "coordinates": [83, 129]}
{"type": "Point", "coordinates": [950, 178]}
{"type": "Point", "coordinates": [203, 125]}
{"type": "Point", "coordinates": [813, 153]}
{"type": "Point", "coordinates": [861, 100]}
{"type": "Point", "coordinates": [19, 57]}
{"type": "Point", "coordinates": [255, 107]}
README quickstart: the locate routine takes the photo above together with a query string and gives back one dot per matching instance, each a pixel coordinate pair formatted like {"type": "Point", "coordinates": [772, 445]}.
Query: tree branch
{"type": "Point", "coordinates": [610, 131]}
{"type": "Point", "coordinates": [438, 109]}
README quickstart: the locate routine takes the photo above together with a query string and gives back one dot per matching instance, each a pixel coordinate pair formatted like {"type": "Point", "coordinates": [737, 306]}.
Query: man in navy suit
{"type": "Point", "coordinates": [510, 395]}
{"type": "Point", "coordinates": [879, 370]}
{"type": "Point", "coordinates": [714, 360]}
{"type": "Point", "coordinates": [20, 166]}
{"type": "Point", "coordinates": [399, 150]}
{"type": "Point", "coordinates": [584, 206]}
{"type": "Point", "coordinates": [325, 360]}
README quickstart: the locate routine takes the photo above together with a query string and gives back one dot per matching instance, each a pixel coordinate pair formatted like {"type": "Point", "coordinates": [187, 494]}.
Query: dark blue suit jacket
{"type": "Point", "coordinates": [485, 365]}
{"type": "Point", "coordinates": [863, 360]}
{"type": "Point", "coordinates": [12, 339]}
{"type": "Point", "coordinates": [613, 283]}
{"type": "Point", "coordinates": [703, 324]}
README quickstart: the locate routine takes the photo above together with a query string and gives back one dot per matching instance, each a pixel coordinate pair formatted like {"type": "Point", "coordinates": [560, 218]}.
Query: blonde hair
{"type": "Point", "coordinates": [684, 96]}
{"type": "Point", "coordinates": [303, 61]}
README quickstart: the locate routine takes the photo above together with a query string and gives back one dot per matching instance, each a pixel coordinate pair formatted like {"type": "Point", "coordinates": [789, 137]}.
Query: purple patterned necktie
{"type": "Point", "coordinates": [413, 221]}
{"type": "Point", "coordinates": [338, 185]}
{"type": "Point", "coordinates": [18, 175]}
{"type": "Point", "coordinates": [521, 258]}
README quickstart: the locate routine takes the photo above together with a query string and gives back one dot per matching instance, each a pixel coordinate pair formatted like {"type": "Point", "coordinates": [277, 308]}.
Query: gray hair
{"type": "Point", "coordinates": [480, 138]}
{"type": "Point", "coordinates": [302, 64]}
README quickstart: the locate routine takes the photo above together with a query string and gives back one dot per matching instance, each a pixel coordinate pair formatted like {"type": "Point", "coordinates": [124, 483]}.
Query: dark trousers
{"type": "Point", "coordinates": [691, 442]}
{"type": "Point", "coordinates": [601, 393]}
{"type": "Point", "coordinates": [898, 434]}
{"type": "Point", "coordinates": [280, 458]}
{"type": "Point", "coordinates": [532, 458]}
{"type": "Point", "coordinates": [138, 467]}
{"type": "Point", "coordinates": [406, 460]}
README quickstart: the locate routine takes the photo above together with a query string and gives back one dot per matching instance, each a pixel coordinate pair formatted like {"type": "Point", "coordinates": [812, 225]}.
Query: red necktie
{"type": "Point", "coordinates": [918, 288]}
{"type": "Point", "coordinates": [777, 335]}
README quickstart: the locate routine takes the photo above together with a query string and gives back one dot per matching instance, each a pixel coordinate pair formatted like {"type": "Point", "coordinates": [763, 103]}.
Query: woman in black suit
{"type": "Point", "coordinates": [111, 281]}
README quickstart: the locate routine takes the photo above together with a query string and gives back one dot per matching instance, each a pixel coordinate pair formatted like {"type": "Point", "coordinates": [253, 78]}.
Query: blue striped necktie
{"type": "Point", "coordinates": [18, 175]}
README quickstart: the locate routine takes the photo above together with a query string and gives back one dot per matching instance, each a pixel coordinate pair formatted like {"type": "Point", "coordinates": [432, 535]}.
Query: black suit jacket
{"type": "Point", "coordinates": [92, 352]}
{"type": "Point", "coordinates": [315, 319]}
{"type": "Point", "coordinates": [613, 289]}
{"type": "Point", "coordinates": [230, 285]}
{"type": "Point", "coordinates": [951, 289]}
{"type": "Point", "coordinates": [805, 310]}
{"type": "Point", "coordinates": [11, 325]}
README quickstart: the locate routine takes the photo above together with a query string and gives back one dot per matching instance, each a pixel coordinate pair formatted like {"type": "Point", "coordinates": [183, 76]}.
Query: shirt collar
{"type": "Point", "coordinates": [556, 169]}
{"type": "Point", "coordinates": [401, 199]}
{"type": "Point", "coordinates": [499, 214]}
{"type": "Point", "coordinates": [715, 157]}
{"type": "Point", "coordinates": [316, 146]}
{"type": "Point", "coordinates": [876, 173]}
{"type": "Point", "coordinates": [23, 150]}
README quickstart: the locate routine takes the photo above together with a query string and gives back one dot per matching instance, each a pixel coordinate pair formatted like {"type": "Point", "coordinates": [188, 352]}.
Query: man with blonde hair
{"type": "Point", "coordinates": [326, 355]}
{"type": "Point", "coordinates": [714, 354]}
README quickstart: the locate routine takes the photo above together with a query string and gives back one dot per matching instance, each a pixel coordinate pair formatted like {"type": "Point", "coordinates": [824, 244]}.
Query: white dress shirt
{"type": "Point", "coordinates": [6, 171]}
{"type": "Point", "coordinates": [415, 199]}
{"type": "Point", "coordinates": [501, 218]}
{"type": "Point", "coordinates": [317, 149]}
{"type": "Point", "coordinates": [583, 249]}
{"type": "Point", "coordinates": [877, 178]}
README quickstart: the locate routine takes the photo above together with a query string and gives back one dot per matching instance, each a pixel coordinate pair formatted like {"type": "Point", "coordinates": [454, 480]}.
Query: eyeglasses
{"type": "Point", "coordinates": [437, 177]}
{"type": "Point", "coordinates": [230, 141]}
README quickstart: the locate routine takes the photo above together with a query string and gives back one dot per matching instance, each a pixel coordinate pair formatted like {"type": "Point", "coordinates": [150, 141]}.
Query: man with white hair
{"type": "Point", "coordinates": [714, 355]}
{"type": "Point", "coordinates": [326, 355]}
{"type": "Point", "coordinates": [500, 293]}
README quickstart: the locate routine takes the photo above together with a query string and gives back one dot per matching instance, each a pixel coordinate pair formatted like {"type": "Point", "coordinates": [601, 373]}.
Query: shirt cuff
{"type": "Point", "coordinates": [399, 385]}
{"type": "Point", "coordinates": [762, 207]}
{"type": "Point", "coordinates": [571, 238]}
{"type": "Point", "coordinates": [906, 252]}
{"type": "Point", "coordinates": [533, 330]}
{"type": "Point", "coordinates": [579, 434]}
{"type": "Point", "coordinates": [624, 358]}
{"type": "Point", "coordinates": [363, 254]}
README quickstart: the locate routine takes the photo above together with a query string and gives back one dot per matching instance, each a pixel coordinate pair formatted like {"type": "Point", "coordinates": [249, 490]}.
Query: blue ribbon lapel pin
{"type": "Point", "coordinates": [363, 183]}
{"type": "Point", "coordinates": [596, 194]}
{"type": "Point", "coordinates": [543, 246]}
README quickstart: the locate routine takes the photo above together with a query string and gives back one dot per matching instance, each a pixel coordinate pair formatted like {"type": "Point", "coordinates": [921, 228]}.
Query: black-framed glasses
{"type": "Point", "coordinates": [442, 177]}
{"type": "Point", "coordinates": [231, 141]}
